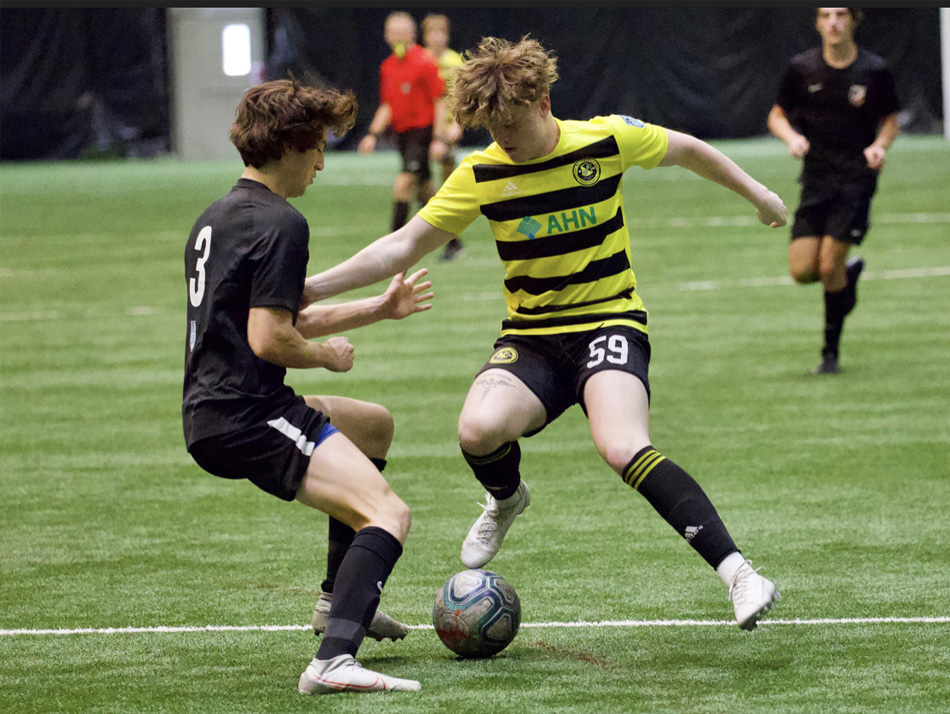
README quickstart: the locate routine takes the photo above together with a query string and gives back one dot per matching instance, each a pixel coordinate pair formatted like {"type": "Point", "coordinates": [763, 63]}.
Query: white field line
{"type": "Point", "coordinates": [902, 274]}
{"type": "Point", "coordinates": [529, 625]}
{"type": "Point", "coordinates": [746, 220]}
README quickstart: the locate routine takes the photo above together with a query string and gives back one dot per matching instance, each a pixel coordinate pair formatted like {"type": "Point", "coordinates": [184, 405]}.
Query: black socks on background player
{"type": "Point", "coordinates": [498, 471]}
{"type": "Point", "coordinates": [837, 305]}
{"type": "Point", "coordinates": [681, 502]}
{"type": "Point", "coordinates": [368, 562]}
{"type": "Point", "coordinates": [341, 535]}
{"type": "Point", "coordinates": [400, 214]}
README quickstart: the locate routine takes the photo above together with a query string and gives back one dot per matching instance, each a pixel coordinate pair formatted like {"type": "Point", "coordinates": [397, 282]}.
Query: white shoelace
{"type": "Point", "coordinates": [741, 580]}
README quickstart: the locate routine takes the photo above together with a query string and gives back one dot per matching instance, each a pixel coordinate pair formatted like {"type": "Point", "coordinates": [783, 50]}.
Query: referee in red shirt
{"type": "Point", "coordinates": [410, 99]}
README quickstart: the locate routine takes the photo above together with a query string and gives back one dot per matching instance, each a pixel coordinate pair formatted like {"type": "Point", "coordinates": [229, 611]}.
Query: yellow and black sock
{"type": "Point", "coordinates": [681, 502]}
{"type": "Point", "coordinates": [498, 471]}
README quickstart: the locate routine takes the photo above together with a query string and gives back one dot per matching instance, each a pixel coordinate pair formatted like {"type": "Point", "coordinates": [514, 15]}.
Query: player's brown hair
{"type": "Point", "coordinates": [285, 114]}
{"type": "Point", "coordinates": [434, 21]}
{"type": "Point", "coordinates": [499, 77]}
{"type": "Point", "coordinates": [857, 14]}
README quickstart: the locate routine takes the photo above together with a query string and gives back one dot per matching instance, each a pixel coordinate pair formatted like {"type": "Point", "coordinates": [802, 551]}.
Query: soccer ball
{"type": "Point", "coordinates": [476, 613]}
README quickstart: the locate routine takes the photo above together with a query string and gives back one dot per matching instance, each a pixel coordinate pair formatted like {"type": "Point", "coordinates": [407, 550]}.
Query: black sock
{"type": "Point", "coordinates": [682, 503]}
{"type": "Point", "coordinates": [341, 535]}
{"type": "Point", "coordinates": [498, 471]}
{"type": "Point", "coordinates": [400, 214]}
{"type": "Point", "coordinates": [836, 307]}
{"type": "Point", "coordinates": [364, 571]}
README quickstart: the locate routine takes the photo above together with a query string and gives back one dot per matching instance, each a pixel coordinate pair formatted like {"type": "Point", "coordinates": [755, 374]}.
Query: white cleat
{"type": "Point", "coordinates": [751, 595]}
{"type": "Point", "coordinates": [487, 534]}
{"type": "Point", "coordinates": [381, 628]}
{"type": "Point", "coordinates": [345, 674]}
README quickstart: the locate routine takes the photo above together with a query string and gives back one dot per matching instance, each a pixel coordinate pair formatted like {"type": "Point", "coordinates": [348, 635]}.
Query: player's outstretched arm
{"type": "Point", "coordinates": [709, 163]}
{"type": "Point", "coordinates": [381, 259]}
{"type": "Point", "coordinates": [273, 337]}
{"type": "Point", "coordinates": [403, 297]}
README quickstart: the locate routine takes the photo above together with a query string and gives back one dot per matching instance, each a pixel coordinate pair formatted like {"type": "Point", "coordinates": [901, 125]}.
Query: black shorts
{"type": "Point", "coordinates": [273, 455]}
{"type": "Point", "coordinates": [840, 210]}
{"type": "Point", "coordinates": [556, 367]}
{"type": "Point", "coordinates": [414, 149]}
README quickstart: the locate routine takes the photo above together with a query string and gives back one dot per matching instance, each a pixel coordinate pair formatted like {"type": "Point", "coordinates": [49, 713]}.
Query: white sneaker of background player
{"type": "Point", "coordinates": [487, 534]}
{"type": "Point", "coordinates": [751, 595]}
{"type": "Point", "coordinates": [382, 626]}
{"type": "Point", "coordinates": [345, 674]}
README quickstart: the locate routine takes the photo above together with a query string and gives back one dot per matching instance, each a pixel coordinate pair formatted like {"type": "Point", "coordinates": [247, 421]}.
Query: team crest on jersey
{"type": "Point", "coordinates": [631, 121]}
{"type": "Point", "coordinates": [587, 172]}
{"type": "Point", "coordinates": [857, 94]}
{"type": "Point", "coordinates": [506, 355]}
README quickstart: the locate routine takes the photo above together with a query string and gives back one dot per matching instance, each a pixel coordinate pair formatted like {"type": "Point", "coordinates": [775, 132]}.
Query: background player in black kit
{"type": "Point", "coordinates": [245, 264]}
{"type": "Point", "coordinates": [837, 109]}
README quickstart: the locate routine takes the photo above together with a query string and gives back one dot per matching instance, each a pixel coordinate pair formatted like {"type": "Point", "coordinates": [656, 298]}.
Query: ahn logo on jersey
{"type": "Point", "coordinates": [631, 121]}
{"type": "Point", "coordinates": [857, 93]}
{"type": "Point", "coordinates": [586, 172]}
{"type": "Point", "coordinates": [506, 355]}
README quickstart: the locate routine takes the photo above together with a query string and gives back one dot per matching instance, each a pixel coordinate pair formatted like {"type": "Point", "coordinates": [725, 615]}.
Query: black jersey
{"type": "Point", "coordinates": [839, 111]}
{"type": "Point", "coordinates": [248, 249]}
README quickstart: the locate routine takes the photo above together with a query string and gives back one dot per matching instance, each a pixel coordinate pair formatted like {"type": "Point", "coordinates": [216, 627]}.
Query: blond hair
{"type": "Point", "coordinates": [499, 77]}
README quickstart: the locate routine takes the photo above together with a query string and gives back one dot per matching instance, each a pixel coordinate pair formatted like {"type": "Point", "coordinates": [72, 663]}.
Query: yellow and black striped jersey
{"type": "Point", "coordinates": [558, 223]}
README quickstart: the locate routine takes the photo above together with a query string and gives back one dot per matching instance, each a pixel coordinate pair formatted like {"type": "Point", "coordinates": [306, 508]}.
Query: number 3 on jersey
{"type": "Point", "coordinates": [196, 286]}
{"type": "Point", "coordinates": [616, 352]}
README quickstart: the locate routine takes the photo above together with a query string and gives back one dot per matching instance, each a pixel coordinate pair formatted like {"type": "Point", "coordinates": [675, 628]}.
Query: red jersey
{"type": "Point", "coordinates": [410, 86]}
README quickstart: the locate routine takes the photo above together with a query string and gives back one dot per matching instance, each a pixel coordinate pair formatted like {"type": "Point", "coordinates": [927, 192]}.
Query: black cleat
{"type": "Point", "coordinates": [852, 270]}
{"type": "Point", "coordinates": [453, 250]}
{"type": "Point", "coordinates": [828, 365]}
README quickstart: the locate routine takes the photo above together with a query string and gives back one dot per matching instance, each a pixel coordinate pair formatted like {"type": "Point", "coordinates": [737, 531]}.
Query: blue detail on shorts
{"type": "Point", "coordinates": [632, 122]}
{"type": "Point", "coordinates": [327, 430]}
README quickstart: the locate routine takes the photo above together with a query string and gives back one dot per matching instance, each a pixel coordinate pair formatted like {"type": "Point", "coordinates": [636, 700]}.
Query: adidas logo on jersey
{"type": "Point", "coordinates": [510, 190]}
{"type": "Point", "coordinates": [692, 532]}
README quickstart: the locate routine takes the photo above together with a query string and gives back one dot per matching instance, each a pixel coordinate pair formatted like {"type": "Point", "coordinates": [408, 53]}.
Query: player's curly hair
{"type": "Point", "coordinates": [286, 114]}
{"type": "Point", "coordinates": [498, 77]}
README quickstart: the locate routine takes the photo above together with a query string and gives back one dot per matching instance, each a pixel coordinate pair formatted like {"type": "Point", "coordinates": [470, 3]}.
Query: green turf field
{"type": "Point", "coordinates": [839, 486]}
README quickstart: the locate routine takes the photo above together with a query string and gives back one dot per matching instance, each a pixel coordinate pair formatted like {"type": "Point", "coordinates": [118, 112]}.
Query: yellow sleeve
{"type": "Point", "coordinates": [455, 206]}
{"type": "Point", "coordinates": [641, 144]}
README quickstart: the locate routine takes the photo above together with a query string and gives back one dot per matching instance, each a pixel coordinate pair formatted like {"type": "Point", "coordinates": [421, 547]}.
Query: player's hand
{"type": "Point", "coordinates": [405, 296]}
{"type": "Point", "coordinates": [339, 354]}
{"type": "Point", "coordinates": [367, 145]}
{"type": "Point", "coordinates": [875, 157]}
{"type": "Point", "coordinates": [453, 133]}
{"type": "Point", "coordinates": [798, 147]}
{"type": "Point", "coordinates": [438, 149]}
{"type": "Point", "coordinates": [770, 210]}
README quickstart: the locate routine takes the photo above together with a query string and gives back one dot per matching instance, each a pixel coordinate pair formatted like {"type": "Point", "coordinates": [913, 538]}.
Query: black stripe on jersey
{"type": "Point", "coordinates": [559, 244]}
{"type": "Point", "coordinates": [595, 270]}
{"type": "Point", "coordinates": [549, 309]}
{"type": "Point", "coordinates": [598, 150]}
{"type": "Point", "coordinates": [552, 201]}
{"type": "Point", "coordinates": [633, 315]}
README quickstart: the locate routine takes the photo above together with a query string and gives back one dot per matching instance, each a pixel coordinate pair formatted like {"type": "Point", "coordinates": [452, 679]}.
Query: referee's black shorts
{"type": "Point", "coordinates": [414, 148]}
{"type": "Point", "coordinates": [273, 454]}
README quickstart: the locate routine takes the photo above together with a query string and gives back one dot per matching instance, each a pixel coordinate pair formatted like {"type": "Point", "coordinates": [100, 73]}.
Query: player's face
{"type": "Point", "coordinates": [525, 137]}
{"type": "Point", "coordinates": [437, 39]}
{"type": "Point", "coordinates": [835, 25]}
{"type": "Point", "coordinates": [399, 31]}
{"type": "Point", "coordinates": [300, 168]}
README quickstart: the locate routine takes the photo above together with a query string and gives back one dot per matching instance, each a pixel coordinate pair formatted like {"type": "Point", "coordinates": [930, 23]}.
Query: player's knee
{"type": "Point", "coordinates": [479, 435]}
{"type": "Point", "coordinates": [398, 519]}
{"type": "Point", "coordinates": [803, 274]}
{"type": "Point", "coordinates": [380, 430]}
{"type": "Point", "coordinates": [618, 455]}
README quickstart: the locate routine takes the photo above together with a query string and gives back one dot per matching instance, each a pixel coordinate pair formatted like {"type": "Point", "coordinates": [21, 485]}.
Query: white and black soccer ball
{"type": "Point", "coordinates": [476, 613]}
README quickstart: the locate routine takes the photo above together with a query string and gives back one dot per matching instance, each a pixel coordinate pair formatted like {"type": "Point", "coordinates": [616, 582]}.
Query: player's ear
{"type": "Point", "coordinates": [544, 104]}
